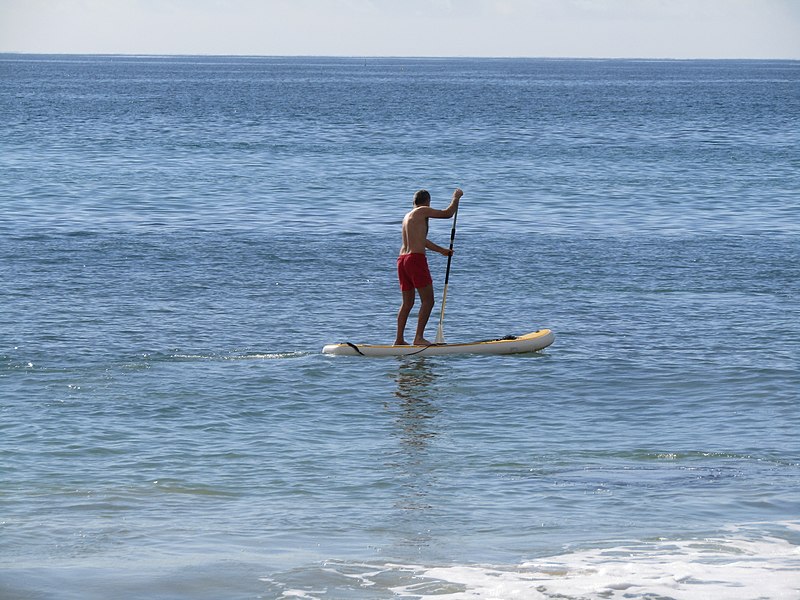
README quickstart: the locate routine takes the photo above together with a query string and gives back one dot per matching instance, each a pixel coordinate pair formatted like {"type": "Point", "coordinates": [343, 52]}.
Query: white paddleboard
{"type": "Point", "coordinates": [530, 342]}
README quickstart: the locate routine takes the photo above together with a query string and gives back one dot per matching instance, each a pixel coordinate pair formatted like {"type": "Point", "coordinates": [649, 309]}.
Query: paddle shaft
{"type": "Point", "coordinates": [450, 256]}
{"type": "Point", "coordinates": [440, 331]}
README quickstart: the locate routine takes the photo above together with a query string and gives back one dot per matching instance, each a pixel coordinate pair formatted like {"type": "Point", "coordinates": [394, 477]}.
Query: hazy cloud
{"type": "Point", "coordinates": [596, 28]}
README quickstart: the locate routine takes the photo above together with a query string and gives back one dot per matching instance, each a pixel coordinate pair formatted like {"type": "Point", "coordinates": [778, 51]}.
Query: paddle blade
{"type": "Point", "coordinates": [439, 335]}
{"type": "Point", "coordinates": [440, 330]}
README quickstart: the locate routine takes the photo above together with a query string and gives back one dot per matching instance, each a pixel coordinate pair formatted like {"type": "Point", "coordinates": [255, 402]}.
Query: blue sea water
{"type": "Point", "coordinates": [179, 237]}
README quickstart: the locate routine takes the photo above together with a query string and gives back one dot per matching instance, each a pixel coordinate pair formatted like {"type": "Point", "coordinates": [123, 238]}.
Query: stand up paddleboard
{"type": "Point", "coordinates": [530, 342]}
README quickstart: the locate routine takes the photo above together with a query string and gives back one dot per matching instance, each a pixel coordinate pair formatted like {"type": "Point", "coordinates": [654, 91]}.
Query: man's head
{"type": "Point", "coordinates": [422, 198]}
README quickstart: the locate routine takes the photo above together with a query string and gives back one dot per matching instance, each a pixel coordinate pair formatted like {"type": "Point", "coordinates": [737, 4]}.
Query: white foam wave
{"type": "Point", "coordinates": [730, 568]}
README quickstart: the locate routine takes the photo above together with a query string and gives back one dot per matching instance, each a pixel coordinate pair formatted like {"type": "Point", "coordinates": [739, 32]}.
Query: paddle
{"type": "Point", "coordinates": [440, 330]}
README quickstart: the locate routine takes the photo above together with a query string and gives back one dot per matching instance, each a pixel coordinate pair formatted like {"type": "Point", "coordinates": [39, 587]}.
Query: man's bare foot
{"type": "Point", "coordinates": [400, 343]}
{"type": "Point", "coordinates": [422, 342]}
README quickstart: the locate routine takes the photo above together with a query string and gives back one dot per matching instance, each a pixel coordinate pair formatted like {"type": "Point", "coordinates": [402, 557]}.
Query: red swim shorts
{"type": "Point", "coordinates": [413, 272]}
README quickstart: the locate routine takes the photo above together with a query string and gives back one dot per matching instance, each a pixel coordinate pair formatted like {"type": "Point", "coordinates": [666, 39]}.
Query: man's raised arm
{"type": "Point", "coordinates": [448, 212]}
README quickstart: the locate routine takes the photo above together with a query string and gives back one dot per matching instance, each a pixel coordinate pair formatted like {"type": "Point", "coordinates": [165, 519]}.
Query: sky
{"type": "Point", "coordinates": [475, 28]}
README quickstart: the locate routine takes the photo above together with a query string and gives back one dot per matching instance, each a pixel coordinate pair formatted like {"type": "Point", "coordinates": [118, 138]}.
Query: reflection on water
{"type": "Point", "coordinates": [414, 461]}
{"type": "Point", "coordinates": [415, 389]}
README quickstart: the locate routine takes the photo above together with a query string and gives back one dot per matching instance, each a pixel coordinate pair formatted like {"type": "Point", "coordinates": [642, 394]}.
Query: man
{"type": "Point", "coordinates": [412, 264]}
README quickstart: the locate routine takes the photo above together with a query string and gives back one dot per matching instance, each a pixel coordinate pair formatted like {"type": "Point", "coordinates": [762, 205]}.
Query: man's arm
{"type": "Point", "coordinates": [435, 213]}
{"type": "Point", "coordinates": [431, 246]}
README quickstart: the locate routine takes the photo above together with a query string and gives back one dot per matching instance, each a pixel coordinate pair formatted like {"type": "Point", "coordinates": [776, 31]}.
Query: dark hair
{"type": "Point", "coordinates": [422, 197]}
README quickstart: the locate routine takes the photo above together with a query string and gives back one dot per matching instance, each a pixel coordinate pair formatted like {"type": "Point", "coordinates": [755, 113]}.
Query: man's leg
{"type": "Point", "coordinates": [426, 296]}
{"type": "Point", "coordinates": [402, 316]}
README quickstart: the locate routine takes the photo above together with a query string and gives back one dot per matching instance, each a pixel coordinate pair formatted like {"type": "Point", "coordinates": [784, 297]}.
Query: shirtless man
{"type": "Point", "coordinates": [412, 264]}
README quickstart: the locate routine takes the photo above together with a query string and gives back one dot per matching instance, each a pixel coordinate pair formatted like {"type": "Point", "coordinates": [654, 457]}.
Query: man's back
{"type": "Point", "coordinates": [415, 231]}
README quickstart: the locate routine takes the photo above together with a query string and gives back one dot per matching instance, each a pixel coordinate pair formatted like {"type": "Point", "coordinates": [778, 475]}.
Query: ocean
{"type": "Point", "coordinates": [180, 236]}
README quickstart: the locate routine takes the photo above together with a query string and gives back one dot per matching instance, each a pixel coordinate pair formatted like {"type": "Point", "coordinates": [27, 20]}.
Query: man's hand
{"type": "Point", "coordinates": [457, 194]}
